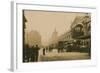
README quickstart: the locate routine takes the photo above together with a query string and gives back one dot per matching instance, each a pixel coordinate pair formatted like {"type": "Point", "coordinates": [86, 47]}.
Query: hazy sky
{"type": "Point", "coordinates": [45, 22]}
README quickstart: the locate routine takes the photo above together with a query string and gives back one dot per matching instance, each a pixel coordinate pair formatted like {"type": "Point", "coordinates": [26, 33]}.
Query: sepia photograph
{"type": "Point", "coordinates": [55, 36]}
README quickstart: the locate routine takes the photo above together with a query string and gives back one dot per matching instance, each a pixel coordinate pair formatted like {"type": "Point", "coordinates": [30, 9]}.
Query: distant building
{"type": "Point", "coordinates": [54, 39]}
{"type": "Point", "coordinates": [33, 38]}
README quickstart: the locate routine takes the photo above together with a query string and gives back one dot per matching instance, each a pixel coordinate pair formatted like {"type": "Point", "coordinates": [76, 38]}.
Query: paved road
{"type": "Point", "coordinates": [55, 56]}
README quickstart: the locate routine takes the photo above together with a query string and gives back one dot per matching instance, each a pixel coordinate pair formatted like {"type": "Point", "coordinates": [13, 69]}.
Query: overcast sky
{"type": "Point", "coordinates": [45, 22]}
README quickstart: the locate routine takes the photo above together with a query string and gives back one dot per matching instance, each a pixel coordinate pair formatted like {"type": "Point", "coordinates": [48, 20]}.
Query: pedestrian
{"type": "Point", "coordinates": [36, 49]}
{"type": "Point", "coordinates": [43, 51]}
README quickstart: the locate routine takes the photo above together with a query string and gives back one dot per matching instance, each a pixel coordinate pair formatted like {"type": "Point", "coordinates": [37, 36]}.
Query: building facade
{"type": "Point", "coordinates": [78, 38]}
{"type": "Point", "coordinates": [81, 30]}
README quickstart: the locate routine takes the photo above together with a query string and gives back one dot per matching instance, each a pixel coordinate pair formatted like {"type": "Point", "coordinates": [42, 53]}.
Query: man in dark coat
{"type": "Point", "coordinates": [36, 49]}
{"type": "Point", "coordinates": [43, 51]}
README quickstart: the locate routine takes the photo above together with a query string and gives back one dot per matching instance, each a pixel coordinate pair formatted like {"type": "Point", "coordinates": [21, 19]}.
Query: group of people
{"type": "Point", "coordinates": [30, 54]}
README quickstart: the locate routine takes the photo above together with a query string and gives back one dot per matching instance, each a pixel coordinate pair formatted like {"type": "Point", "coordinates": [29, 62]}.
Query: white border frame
{"type": "Point", "coordinates": [16, 61]}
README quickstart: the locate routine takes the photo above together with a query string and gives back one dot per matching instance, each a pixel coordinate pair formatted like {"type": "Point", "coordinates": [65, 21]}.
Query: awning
{"type": "Point", "coordinates": [84, 37]}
